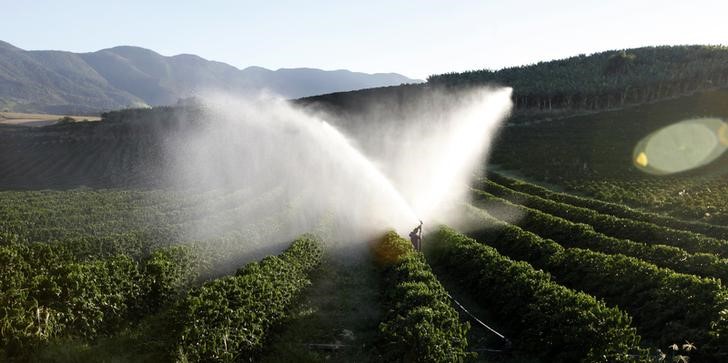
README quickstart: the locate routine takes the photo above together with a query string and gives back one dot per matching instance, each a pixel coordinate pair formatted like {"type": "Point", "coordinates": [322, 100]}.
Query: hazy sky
{"type": "Point", "coordinates": [415, 38]}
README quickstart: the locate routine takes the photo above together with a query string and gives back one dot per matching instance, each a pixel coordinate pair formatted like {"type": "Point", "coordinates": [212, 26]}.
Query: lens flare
{"type": "Point", "coordinates": [641, 160]}
{"type": "Point", "coordinates": [723, 134]}
{"type": "Point", "coordinates": [682, 146]}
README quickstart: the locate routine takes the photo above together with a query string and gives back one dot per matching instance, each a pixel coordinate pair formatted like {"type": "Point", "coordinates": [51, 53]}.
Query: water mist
{"type": "Point", "coordinates": [303, 169]}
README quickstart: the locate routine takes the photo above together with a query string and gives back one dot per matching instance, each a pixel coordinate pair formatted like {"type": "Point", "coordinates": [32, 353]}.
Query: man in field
{"type": "Point", "coordinates": [416, 237]}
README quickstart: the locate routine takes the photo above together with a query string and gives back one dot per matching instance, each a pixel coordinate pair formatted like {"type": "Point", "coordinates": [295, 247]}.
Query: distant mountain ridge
{"type": "Point", "coordinates": [126, 76]}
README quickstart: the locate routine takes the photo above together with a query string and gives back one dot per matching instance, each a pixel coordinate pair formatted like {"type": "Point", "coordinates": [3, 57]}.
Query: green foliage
{"type": "Point", "coordinates": [548, 320]}
{"type": "Point", "coordinates": [95, 224]}
{"type": "Point", "coordinates": [229, 319]}
{"type": "Point", "coordinates": [44, 295]}
{"type": "Point", "coordinates": [124, 149]}
{"type": "Point", "coordinates": [605, 80]}
{"type": "Point", "coordinates": [572, 234]}
{"type": "Point", "coordinates": [69, 257]}
{"type": "Point", "coordinates": [619, 63]}
{"type": "Point", "coordinates": [420, 324]}
{"type": "Point", "coordinates": [162, 114]}
{"type": "Point", "coordinates": [615, 209]}
{"type": "Point", "coordinates": [614, 226]}
{"type": "Point", "coordinates": [168, 272]}
{"type": "Point", "coordinates": [66, 120]}
{"type": "Point", "coordinates": [391, 248]}
{"type": "Point", "coordinates": [93, 298]}
{"type": "Point", "coordinates": [666, 306]}
{"type": "Point", "coordinates": [47, 293]}
{"type": "Point", "coordinates": [671, 307]}
{"type": "Point", "coordinates": [694, 197]}
{"type": "Point", "coordinates": [592, 154]}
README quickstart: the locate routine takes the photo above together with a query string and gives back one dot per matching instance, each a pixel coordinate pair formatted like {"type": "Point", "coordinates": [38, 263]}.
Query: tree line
{"type": "Point", "coordinates": [605, 80]}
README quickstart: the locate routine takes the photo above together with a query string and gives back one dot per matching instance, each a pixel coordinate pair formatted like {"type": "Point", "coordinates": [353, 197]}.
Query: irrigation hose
{"type": "Point", "coordinates": [484, 325]}
{"type": "Point", "coordinates": [475, 318]}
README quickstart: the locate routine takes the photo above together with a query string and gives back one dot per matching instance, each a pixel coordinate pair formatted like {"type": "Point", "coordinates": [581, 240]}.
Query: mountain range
{"type": "Point", "coordinates": [125, 76]}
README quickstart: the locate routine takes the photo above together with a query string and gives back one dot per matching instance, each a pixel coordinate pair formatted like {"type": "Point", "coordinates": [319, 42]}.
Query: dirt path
{"type": "Point", "coordinates": [340, 313]}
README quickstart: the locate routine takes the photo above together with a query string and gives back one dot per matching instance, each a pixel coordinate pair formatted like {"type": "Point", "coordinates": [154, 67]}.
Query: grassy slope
{"type": "Point", "coordinates": [600, 145]}
{"type": "Point", "coordinates": [593, 155]}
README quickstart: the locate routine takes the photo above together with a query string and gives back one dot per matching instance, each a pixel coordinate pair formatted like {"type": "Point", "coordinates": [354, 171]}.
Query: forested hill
{"type": "Point", "coordinates": [607, 79]}
{"type": "Point", "coordinates": [600, 81]}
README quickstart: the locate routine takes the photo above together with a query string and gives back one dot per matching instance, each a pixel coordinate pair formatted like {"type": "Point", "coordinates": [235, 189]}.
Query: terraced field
{"type": "Point", "coordinates": [594, 155]}
{"type": "Point", "coordinates": [692, 198]}
{"type": "Point", "coordinates": [89, 273]}
{"type": "Point", "coordinates": [98, 263]}
{"type": "Point", "coordinates": [667, 274]}
{"type": "Point", "coordinates": [118, 274]}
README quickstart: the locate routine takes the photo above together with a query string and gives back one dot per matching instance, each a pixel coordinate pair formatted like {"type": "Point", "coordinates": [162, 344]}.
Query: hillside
{"type": "Point", "coordinates": [120, 77]}
{"type": "Point", "coordinates": [601, 145]}
{"type": "Point", "coordinates": [581, 84]}
{"type": "Point", "coordinates": [103, 260]}
{"type": "Point", "coordinates": [606, 139]}
{"type": "Point", "coordinates": [607, 79]}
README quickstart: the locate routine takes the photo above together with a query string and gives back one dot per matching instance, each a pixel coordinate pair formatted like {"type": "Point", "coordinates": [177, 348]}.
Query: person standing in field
{"type": "Point", "coordinates": [416, 237]}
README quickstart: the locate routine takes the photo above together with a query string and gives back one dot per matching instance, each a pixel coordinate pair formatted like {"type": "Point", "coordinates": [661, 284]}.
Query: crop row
{"type": "Point", "coordinates": [156, 216]}
{"type": "Point", "coordinates": [617, 227]}
{"type": "Point", "coordinates": [420, 324]}
{"type": "Point", "coordinates": [604, 80]}
{"type": "Point", "coordinates": [93, 156]}
{"type": "Point", "coordinates": [615, 209]}
{"type": "Point", "coordinates": [694, 197]}
{"type": "Point", "coordinates": [667, 307]}
{"type": "Point", "coordinates": [229, 319]}
{"type": "Point", "coordinates": [97, 225]}
{"type": "Point", "coordinates": [45, 293]}
{"type": "Point", "coordinates": [549, 320]}
{"type": "Point", "coordinates": [571, 234]}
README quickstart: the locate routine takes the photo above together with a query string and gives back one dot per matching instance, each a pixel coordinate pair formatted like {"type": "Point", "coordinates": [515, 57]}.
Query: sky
{"type": "Point", "coordinates": [416, 38]}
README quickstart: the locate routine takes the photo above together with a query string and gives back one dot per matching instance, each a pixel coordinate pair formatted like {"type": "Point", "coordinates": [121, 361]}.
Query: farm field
{"type": "Point", "coordinates": [115, 247]}
{"type": "Point", "coordinates": [149, 236]}
{"type": "Point", "coordinates": [698, 199]}
{"type": "Point", "coordinates": [39, 119]}
{"type": "Point", "coordinates": [594, 155]}
{"type": "Point", "coordinates": [115, 286]}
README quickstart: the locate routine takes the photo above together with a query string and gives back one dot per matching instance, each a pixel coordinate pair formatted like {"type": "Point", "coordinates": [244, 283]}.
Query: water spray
{"type": "Point", "coordinates": [376, 179]}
